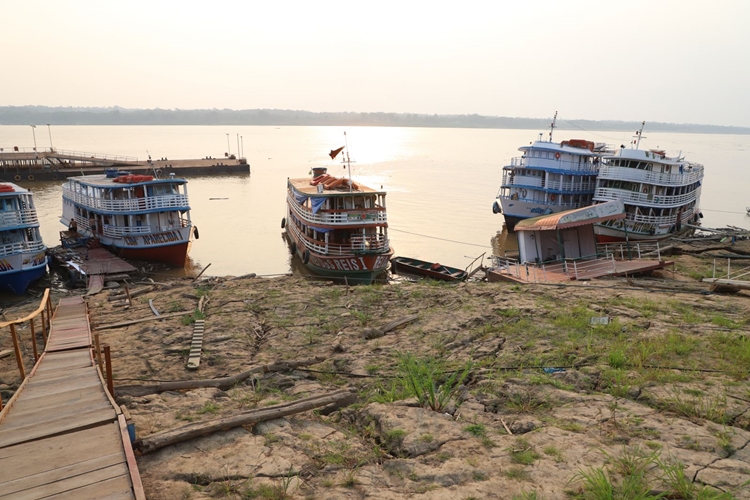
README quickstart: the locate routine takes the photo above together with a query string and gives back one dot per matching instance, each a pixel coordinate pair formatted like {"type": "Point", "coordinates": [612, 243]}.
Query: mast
{"type": "Point", "coordinates": [552, 126]}
{"type": "Point", "coordinates": [639, 135]}
{"type": "Point", "coordinates": [348, 161]}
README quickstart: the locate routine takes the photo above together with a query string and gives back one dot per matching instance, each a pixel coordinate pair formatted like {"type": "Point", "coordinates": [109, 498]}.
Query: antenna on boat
{"type": "Point", "coordinates": [348, 161]}
{"type": "Point", "coordinates": [552, 126]}
{"type": "Point", "coordinates": [639, 135]}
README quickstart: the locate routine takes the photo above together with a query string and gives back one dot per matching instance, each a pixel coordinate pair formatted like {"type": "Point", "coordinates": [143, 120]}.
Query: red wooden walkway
{"type": "Point", "coordinates": [62, 435]}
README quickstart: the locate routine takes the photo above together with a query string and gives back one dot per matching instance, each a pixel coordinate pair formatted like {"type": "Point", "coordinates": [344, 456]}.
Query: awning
{"type": "Point", "coordinates": [592, 214]}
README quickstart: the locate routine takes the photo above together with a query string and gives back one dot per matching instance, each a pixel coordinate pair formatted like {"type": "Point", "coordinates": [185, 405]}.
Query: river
{"type": "Point", "coordinates": [441, 183]}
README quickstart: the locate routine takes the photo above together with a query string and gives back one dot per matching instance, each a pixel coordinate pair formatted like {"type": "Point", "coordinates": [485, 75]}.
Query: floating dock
{"type": "Point", "coordinates": [25, 165]}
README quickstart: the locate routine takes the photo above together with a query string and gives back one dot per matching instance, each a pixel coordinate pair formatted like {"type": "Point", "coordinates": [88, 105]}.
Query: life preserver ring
{"type": "Point", "coordinates": [306, 256]}
{"type": "Point", "coordinates": [645, 190]}
{"type": "Point", "coordinates": [552, 197]}
{"type": "Point", "coordinates": [557, 156]}
{"type": "Point", "coordinates": [283, 222]}
{"type": "Point", "coordinates": [523, 193]}
{"type": "Point", "coordinates": [17, 178]}
{"type": "Point", "coordinates": [30, 177]}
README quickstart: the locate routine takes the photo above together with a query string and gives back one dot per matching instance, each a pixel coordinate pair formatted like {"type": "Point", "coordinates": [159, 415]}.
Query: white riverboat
{"type": "Point", "coordinates": [661, 193]}
{"type": "Point", "coordinates": [136, 216]}
{"type": "Point", "coordinates": [549, 177]}
{"type": "Point", "coordinates": [337, 227]}
{"type": "Point", "coordinates": [22, 253]}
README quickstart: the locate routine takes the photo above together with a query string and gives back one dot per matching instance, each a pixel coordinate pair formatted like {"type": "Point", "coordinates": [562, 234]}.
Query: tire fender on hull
{"type": "Point", "coordinates": [306, 256]}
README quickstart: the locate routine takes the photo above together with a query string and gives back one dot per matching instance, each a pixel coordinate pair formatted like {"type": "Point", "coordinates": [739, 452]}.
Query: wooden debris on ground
{"type": "Point", "coordinates": [374, 333]}
{"type": "Point", "coordinates": [163, 439]}
{"type": "Point", "coordinates": [219, 383]}
{"type": "Point", "coordinates": [196, 346]}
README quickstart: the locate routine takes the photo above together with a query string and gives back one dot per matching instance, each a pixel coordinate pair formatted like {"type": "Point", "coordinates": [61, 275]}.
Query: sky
{"type": "Point", "coordinates": [676, 61]}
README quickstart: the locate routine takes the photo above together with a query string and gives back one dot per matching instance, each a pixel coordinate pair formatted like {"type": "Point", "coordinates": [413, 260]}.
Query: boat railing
{"type": "Point", "coordinates": [173, 201]}
{"type": "Point", "coordinates": [629, 250]}
{"type": "Point", "coordinates": [523, 180]}
{"type": "Point", "coordinates": [378, 245]}
{"type": "Point", "coordinates": [120, 231]}
{"type": "Point", "coordinates": [18, 218]}
{"type": "Point", "coordinates": [604, 194]}
{"type": "Point", "coordinates": [571, 186]}
{"type": "Point", "coordinates": [687, 214]}
{"type": "Point", "coordinates": [553, 164]}
{"type": "Point", "coordinates": [688, 176]}
{"type": "Point", "coordinates": [21, 247]}
{"type": "Point", "coordinates": [366, 243]}
{"type": "Point", "coordinates": [346, 217]}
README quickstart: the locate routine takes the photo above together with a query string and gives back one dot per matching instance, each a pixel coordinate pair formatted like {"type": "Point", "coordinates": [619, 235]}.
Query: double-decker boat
{"type": "Point", "coordinates": [22, 254]}
{"type": "Point", "coordinates": [548, 177]}
{"type": "Point", "coordinates": [661, 193]}
{"type": "Point", "coordinates": [136, 216]}
{"type": "Point", "coordinates": [337, 227]}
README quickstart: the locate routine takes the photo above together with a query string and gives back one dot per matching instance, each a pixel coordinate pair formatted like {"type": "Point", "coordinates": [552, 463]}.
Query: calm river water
{"type": "Point", "coordinates": [441, 183]}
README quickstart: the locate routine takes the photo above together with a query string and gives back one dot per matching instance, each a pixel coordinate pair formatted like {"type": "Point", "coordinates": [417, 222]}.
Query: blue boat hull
{"type": "Point", "coordinates": [18, 281]}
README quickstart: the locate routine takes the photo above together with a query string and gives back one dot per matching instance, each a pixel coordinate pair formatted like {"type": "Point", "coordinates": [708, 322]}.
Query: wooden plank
{"type": "Point", "coordinates": [82, 421]}
{"type": "Point", "coordinates": [59, 451]}
{"type": "Point", "coordinates": [74, 486]}
{"type": "Point", "coordinates": [47, 416]}
{"type": "Point", "coordinates": [49, 476]}
{"type": "Point", "coordinates": [113, 489]}
{"type": "Point", "coordinates": [194, 358]}
{"type": "Point", "coordinates": [135, 476]}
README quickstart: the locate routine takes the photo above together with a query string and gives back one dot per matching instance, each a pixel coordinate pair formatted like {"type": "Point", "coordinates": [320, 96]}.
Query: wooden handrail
{"type": "Point", "coordinates": [41, 307]}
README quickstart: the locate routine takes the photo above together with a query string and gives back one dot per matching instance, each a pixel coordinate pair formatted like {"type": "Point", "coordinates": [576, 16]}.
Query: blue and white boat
{"type": "Point", "coordinates": [135, 216]}
{"type": "Point", "coordinates": [549, 177]}
{"type": "Point", "coordinates": [23, 257]}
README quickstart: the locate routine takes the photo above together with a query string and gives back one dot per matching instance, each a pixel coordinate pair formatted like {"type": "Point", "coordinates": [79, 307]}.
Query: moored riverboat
{"type": "Point", "coordinates": [22, 253]}
{"type": "Point", "coordinates": [336, 227]}
{"type": "Point", "coordinates": [549, 177]}
{"type": "Point", "coordinates": [136, 216]}
{"type": "Point", "coordinates": [661, 193]}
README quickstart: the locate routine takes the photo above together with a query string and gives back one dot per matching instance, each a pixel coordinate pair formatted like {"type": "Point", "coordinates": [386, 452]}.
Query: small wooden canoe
{"type": "Point", "coordinates": [432, 270]}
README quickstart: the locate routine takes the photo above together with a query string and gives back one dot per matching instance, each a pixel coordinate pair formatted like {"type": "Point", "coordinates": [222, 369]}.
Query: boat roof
{"type": "Point", "coordinates": [101, 180]}
{"type": "Point", "coordinates": [651, 156]}
{"type": "Point", "coordinates": [16, 189]}
{"type": "Point", "coordinates": [592, 214]}
{"type": "Point", "coordinates": [559, 148]}
{"type": "Point", "coordinates": [303, 186]}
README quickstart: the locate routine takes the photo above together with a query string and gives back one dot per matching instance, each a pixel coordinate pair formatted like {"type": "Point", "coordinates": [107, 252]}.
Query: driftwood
{"type": "Point", "coordinates": [4, 354]}
{"type": "Point", "coordinates": [166, 438]}
{"type": "Point", "coordinates": [134, 293]}
{"type": "Point", "coordinates": [244, 276]}
{"type": "Point", "coordinates": [203, 271]}
{"type": "Point", "coordinates": [220, 383]}
{"type": "Point", "coordinates": [374, 333]}
{"type": "Point", "coordinates": [153, 308]}
{"type": "Point", "coordinates": [150, 318]}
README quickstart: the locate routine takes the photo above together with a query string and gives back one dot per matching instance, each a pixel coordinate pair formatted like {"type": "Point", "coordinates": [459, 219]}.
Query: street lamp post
{"type": "Point", "coordinates": [50, 136]}
{"type": "Point", "coordinates": [33, 131]}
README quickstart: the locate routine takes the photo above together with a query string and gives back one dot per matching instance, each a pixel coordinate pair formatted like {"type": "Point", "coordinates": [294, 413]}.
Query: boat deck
{"type": "Point", "coordinates": [62, 435]}
{"type": "Point", "coordinates": [556, 273]}
{"type": "Point", "coordinates": [303, 186]}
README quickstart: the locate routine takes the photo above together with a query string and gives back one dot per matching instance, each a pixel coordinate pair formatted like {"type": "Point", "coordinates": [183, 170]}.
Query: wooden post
{"type": "Point", "coordinates": [33, 340]}
{"type": "Point", "coordinates": [110, 380]}
{"type": "Point", "coordinates": [127, 292]}
{"type": "Point", "coordinates": [49, 312]}
{"type": "Point", "coordinates": [17, 349]}
{"type": "Point", "coordinates": [44, 330]}
{"type": "Point", "coordinates": [98, 353]}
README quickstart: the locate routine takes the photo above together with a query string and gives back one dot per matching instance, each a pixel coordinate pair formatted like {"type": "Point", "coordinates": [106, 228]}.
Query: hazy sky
{"type": "Point", "coordinates": [682, 61]}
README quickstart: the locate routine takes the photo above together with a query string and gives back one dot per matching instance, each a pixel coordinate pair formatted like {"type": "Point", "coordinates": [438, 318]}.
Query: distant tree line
{"type": "Point", "coordinates": [28, 115]}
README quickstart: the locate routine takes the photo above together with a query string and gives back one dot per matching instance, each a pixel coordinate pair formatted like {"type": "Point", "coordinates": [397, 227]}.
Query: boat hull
{"type": "Point", "coordinates": [172, 255]}
{"type": "Point", "coordinates": [355, 268]}
{"type": "Point", "coordinates": [427, 269]}
{"type": "Point", "coordinates": [611, 235]}
{"type": "Point", "coordinates": [19, 281]}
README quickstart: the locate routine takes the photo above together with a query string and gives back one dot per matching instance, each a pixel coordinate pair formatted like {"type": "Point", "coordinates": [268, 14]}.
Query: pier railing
{"type": "Point", "coordinates": [629, 250]}
{"type": "Point", "coordinates": [43, 315]}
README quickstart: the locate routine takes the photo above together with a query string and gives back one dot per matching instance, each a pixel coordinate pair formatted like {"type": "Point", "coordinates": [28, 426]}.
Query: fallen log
{"type": "Point", "coordinates": [166, 438]}
{"type": "Point", "coordinates": [134, 293]}
{"type": "Point", "coordinates": [374, 333]}
{"type": "Point", "coordinates": [5, 353]}
{"type": "Point", "coordinates": [220, 383]}
{"type": "Point", "coordinates": [150, 318]}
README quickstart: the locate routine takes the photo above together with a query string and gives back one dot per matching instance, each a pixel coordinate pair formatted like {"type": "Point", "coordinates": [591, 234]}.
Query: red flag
{"type": "Point", "coordinates": [334, 152]}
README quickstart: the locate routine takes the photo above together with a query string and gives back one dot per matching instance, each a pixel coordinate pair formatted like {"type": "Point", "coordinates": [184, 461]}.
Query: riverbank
{"type": "Point", "coordinates": [654, 389]}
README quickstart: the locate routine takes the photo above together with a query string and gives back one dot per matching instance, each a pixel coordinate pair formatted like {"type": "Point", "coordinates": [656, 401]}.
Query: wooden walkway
{"type": "Point", "coordinates": [592, 269]}
{"type": "Point", "coordinates": [62, 435]}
